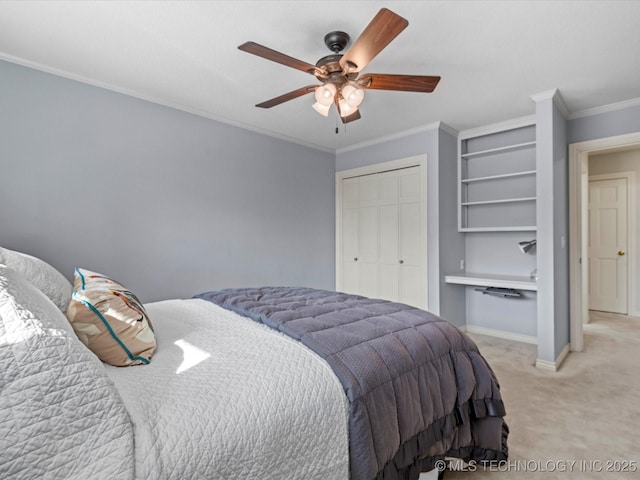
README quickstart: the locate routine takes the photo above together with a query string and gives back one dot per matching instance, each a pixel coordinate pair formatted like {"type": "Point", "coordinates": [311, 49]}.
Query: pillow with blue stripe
{"type": "Point", "coordinates": [110, 320]}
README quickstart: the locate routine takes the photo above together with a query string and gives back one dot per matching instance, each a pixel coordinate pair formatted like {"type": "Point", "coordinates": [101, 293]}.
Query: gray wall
{"type": "Point", "coordinates": [498, 253]}
{"type": "Point", "coordinates": [603, 125]}
{"type": "Point", "coordinates": [441, 150]}
{"type": "Point", "coordinates": [545, 233]}
{"type": "Point", "coordinates": [552, 222]}
{"type": "Point", "coordinates": [451, 242]}
{"type": "Point", "coordinates": [169, 203]}
{"type": "Point", "coordinates": [560, 230]}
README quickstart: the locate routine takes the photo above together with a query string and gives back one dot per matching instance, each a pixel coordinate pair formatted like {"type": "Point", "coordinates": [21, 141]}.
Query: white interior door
{"type": "Point", "coordinates": [608, 290]}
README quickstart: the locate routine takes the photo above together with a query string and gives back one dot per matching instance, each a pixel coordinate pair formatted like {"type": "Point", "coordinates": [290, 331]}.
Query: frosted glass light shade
{"type": "Point", "coordinates": [322, 109]}
{"type": "Point", "coordinates": [345, 108]}
{"type": "Point", "coordinates": [353, 95]}
{"type": "Point", "coordinates": [325, 94]}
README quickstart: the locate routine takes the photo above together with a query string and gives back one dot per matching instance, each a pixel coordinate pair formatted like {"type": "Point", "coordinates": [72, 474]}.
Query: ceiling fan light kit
{"type": "Point", "coordinates": [352, 94]}
{"type": "Point", "coordinates": [322, 109]}
{"type": "Point", "coordinates": [339, 73]}
{"type": "Point", "coordinates": [325, 94]}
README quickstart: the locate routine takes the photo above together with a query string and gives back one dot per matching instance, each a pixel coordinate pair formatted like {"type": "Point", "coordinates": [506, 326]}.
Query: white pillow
{"type": "Point", "coordinates": [45, 277]}
{"type": "Point", "coordinates": [55, 393]}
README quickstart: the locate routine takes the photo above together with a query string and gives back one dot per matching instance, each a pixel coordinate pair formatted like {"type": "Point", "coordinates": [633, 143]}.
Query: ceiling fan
{"type": "Point", "coordinates": [343, 84]}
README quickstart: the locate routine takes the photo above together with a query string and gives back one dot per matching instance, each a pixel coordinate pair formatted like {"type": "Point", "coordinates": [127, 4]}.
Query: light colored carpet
{"type": "Point", "coordinates": [583, 418]}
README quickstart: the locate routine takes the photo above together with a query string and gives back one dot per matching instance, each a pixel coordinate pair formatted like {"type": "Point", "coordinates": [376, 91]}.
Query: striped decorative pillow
{"type": "Point", "coordinates": [110, 320]}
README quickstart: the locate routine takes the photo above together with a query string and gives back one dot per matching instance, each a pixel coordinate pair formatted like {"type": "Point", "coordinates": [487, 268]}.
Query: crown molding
{"type": "Point", "coordinates": [612, 107]}
{"type": "Point", "coordinates": [448, 129]}
{"type": "Point", "coordinates": [557, 99]}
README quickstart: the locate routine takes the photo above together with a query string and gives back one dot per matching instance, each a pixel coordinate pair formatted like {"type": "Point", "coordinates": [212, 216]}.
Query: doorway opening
{"type": "Point", "coordinates": [579, 154]}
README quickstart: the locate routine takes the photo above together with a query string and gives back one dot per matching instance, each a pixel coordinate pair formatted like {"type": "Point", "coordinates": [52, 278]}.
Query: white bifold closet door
{"type": "Point", "coordinates": [382, 236]}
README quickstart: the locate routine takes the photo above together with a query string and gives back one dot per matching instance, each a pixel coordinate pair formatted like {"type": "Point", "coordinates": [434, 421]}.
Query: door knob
{"type": "Point", "coordinates": [621, 252]}
{"type": "Point", "coordinates": [401, 261]}
{"type": "Point", "coordinates": [355, 259]}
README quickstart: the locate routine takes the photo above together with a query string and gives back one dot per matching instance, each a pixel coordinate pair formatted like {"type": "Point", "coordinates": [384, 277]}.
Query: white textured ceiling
{"type": "Point", "coordinates": [492, 55]}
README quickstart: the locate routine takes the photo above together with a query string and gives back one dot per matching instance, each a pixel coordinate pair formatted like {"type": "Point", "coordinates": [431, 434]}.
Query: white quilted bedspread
{"type": "Point", "coordinates": [227, 398]}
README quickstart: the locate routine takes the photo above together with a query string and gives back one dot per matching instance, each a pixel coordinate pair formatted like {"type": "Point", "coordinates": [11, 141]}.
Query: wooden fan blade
{"type": "Point", "coordinates": [406, 83]}
{"type": "Point", "coordinates": [287, 96]}
{"type": "Point", "coordinates": [350, 118]}
{"type": "Point", "coordinates": [384, 27]}
{"type": "Point", "coordinates": [269, 54]}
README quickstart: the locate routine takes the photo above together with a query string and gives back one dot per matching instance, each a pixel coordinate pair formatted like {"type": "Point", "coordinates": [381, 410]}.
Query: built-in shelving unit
{"type": "Point", "coordinates": [496, 211]}
{"type": "Point", "coordinates": [497, 180]}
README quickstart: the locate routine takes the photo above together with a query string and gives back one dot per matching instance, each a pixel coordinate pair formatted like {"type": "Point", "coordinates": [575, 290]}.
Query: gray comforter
{"type": "Point", "coordinates": [418, 388]}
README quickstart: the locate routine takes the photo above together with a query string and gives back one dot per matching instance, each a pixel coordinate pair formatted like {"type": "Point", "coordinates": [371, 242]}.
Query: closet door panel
{"type": "Point", "coordinates": [368, 191]}
{"type": "Point", "coordinates": [368, 234]}
{"type": "Point", "coordinates": [388, 266]}
{"type": "Point", "coordinates": [368, 251]}
{"type": "Point", "coordinates": [410, 238]}
{"type": "Point", "coordinates": [411, 291]}
{"type": "Point", "coordinates": [410, 185]}
{"type": "Point", "coordinates": [350, 193]}
{"type": "Point", "coordinates": [389, 235]}
{"type": "Point", "coordinates": [388, 188]}
{"type": "Point", "coordinates": [351, 278]}
{"type": "Point", "coordinates": [410, 234]}
{"type": "Point", "coordinates": [369, 280]}
{"type": "Point", "coordinates": [350, 267]}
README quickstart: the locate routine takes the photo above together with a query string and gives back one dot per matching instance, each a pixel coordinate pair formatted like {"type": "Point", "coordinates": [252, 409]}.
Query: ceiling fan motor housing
{"type": "Point", "coordinates": [336, 41]}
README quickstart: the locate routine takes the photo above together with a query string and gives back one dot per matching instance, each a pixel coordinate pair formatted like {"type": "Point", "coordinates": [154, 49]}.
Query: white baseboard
{"type": "Point", "coordinates": [516, 337]}
{"type": "Point", "coordinates": [554, 366]}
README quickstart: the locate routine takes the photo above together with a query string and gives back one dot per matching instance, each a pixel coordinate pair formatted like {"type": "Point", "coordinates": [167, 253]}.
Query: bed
{"type": "Point", "coordinates": [244, 383]}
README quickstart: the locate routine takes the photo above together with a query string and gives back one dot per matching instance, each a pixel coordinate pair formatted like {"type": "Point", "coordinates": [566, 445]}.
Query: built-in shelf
{"type": "Point", "coordinates": [492, 280]}
{"type": "Point", "coordinates": [494, 151]}
{"type": "Point", "coordinates": [504, 200]}
{"type": "Point", "coordinates": [497, 177]}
